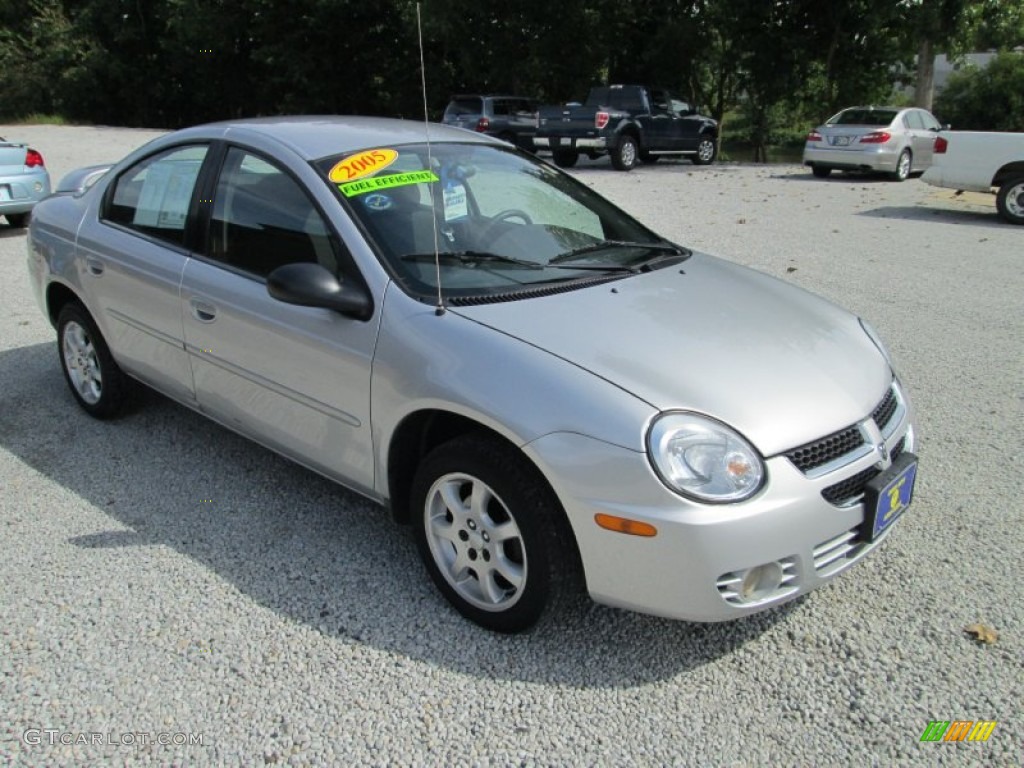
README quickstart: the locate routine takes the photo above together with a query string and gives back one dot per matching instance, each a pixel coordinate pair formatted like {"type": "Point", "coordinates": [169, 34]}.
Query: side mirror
{"type": "Point", "coordinates": [311, 285]}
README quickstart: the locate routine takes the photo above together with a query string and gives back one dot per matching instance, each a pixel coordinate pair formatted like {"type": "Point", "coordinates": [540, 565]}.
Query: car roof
{"type": "Point", "coordinates": [316, 136]}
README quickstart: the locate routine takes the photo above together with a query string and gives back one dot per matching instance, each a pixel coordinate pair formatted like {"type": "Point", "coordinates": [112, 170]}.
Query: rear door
{"type": "Point", "coordinates": [922, 137]}
{"type": "Point", "coordinates": [132, 252]}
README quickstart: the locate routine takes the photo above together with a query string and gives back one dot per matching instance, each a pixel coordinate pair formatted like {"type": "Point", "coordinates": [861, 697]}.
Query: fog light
{"type": "Point", "coordinates": [761, 581]}
{"type": "Point", "coordinates": [39, 187]}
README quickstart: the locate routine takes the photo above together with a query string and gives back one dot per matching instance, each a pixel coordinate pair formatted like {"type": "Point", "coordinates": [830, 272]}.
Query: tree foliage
{"type": "Point", "coordinates": [986, 99]}
{"type": "Point", "coordinates": [778, 64]}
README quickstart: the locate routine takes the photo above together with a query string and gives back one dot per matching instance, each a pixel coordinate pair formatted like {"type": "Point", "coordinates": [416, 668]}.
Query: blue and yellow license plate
{"type": "Point", "coordinates": [888, 495]}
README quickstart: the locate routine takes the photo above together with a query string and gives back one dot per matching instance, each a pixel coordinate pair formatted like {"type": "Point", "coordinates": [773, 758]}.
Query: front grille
{"type": "Point", "coordinates": [883, 413]}
{"type": "Point", "coordinates": [849, 490]}
{"type": "Point", "coordinates": [821, 452]}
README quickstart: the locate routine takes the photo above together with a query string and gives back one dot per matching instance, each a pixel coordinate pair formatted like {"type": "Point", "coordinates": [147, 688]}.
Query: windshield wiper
{"type": "Point", "coordinates": [471, 259]}
{"type": "Point", "coordinates": [605, 244]}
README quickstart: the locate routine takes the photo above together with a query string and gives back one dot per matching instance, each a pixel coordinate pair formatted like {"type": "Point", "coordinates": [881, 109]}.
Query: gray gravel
{"type": "Point", "coordinates": [161, 575]}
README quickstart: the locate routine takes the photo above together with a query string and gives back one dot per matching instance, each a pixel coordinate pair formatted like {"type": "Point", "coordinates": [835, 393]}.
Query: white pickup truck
{"type": "Point", "coordinates": [978, 161]}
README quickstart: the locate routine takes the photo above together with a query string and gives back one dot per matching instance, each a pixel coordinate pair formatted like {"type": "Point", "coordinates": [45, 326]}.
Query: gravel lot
{"type": "Point", "coordinates": [161, 575]}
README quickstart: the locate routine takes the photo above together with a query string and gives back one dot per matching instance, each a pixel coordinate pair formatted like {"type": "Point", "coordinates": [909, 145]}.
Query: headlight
{"type": "Point", "coordinates": [875, 339]}
{"type": "Point", "coordinates": [703, 459]}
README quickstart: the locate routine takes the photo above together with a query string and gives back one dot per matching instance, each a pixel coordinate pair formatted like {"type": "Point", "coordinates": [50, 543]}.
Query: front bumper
{"type": "Point", "coordinates": [869, 158]}
{"type": "Point", "coordinates": [692, 568]}
{"type": "Point", "coordinates": [19, 194]}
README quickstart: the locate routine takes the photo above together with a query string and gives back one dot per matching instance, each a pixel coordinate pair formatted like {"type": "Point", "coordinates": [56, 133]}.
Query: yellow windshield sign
{"type": "Point", "coordinates": [363, 164]}
{"type": "Point", "coordinates": [353, 188]}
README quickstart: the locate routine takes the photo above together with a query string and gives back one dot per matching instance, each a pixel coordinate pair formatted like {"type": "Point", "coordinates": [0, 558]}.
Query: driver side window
{"type": "Point", "coordinates": [262, 219]}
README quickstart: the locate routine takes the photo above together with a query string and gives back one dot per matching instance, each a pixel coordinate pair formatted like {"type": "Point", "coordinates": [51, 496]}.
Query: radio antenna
{"type": "Point", "coordinates": [439, 310]}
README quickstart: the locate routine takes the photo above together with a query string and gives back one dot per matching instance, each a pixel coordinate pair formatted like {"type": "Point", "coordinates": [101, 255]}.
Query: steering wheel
{"type": "Point", "coordinates": [511, 213]}
{"type": "Point", "coordinates": [508, 213]}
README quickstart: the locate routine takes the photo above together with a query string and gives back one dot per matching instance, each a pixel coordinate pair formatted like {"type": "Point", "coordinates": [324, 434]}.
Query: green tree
{"type": "Point", "coordinates": [986, 99]}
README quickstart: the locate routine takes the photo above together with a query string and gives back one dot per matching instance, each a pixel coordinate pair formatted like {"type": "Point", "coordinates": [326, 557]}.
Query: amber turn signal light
{"type": "Point", "coordinates": [624, 525]}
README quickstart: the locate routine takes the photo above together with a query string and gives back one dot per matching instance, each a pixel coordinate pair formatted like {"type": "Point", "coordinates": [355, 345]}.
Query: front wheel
{"type": "Point", "coordinates": [1010, 200]}
{"type": "Point", "coordinates": [902, 172]}
{"type": "Point", "coordinates": [706, 151]}
{"type": "Point", "coordinates": [625, 154]}
{"type": "Point", "coordinates": [95, 380]}
{"type": "Point", "coordinates": [493, 537]}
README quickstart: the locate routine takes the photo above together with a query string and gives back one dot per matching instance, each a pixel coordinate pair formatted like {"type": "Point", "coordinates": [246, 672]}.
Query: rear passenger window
{"type": "Point", "coordinates": [153, 197]}
{"type": "Point", "coordinates": [914, 121]}
{"type": "Point", "coordinates": [262, 219]}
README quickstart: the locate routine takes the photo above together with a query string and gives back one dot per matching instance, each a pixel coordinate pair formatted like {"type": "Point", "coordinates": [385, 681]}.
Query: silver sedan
{"type": "Point", "coordinates": [897, 141]}
{"type": "Point", "coordinates": [24, 181]}
{"type": "Point", "coordinates": [553, 396]}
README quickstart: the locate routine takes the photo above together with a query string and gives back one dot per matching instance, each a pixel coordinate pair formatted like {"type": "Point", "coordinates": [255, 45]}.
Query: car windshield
{"type": "Point", "coordinates": [864, 117]}
{"type": "Point", "coordinates": [501, 222]}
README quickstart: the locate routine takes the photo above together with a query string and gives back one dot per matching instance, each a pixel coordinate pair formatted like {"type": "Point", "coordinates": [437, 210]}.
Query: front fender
{"type": "Point", "coordinates": [452, 363]}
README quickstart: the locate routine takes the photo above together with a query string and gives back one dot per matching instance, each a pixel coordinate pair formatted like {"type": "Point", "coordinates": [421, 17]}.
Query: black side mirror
{"type": "Point", "coordinates": [311, 285]}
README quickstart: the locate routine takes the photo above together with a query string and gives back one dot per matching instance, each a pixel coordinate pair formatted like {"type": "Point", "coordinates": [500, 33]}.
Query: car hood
{"type": "Point", "coordinates": [773, 361]}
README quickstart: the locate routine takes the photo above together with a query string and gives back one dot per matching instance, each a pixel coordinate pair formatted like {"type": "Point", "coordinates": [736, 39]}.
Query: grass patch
{"type": "Point", "coordinates": [39, 119]}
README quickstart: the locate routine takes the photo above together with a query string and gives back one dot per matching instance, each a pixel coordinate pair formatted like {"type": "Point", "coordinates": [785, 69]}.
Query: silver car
{"type": "Point", "coordinates": [893, 140]}
{"type": "Point", "coordinates": [24, 181]}
{"type": "Point", "coordinates": [553, 396]}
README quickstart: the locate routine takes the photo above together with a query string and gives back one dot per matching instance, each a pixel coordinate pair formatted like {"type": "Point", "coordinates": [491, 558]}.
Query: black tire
{"type": "Point", "coordinates": [648, 159]}
{"type": "Point", "coordinates": [903, 164]}
{"type": "Point", "coordinates": [820, 172]}
{"type": "Point", "coordinates": [93, 377]}
{"type": "Point", "coordinates": [461, 549]}
{"type": "Point", "coordinates": [625, 154]}
{"type": "Point", "coordinates": [1010, 200]}
{"type": "Point", "coordinates": [565, 158]}
{"type": "Point", "coordinates": [17, 220]}
{"type": "Point", "coordinates": [707, 151]}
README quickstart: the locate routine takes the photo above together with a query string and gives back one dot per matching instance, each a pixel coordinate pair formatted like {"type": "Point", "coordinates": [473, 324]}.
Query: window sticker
{"type": "Point", "coordinates": [362, 186]}
{"type": "Point", "coordinates": [455, 203]}
{"type": "Point", "coordinates": [166, 193]}
{"type": "Point", "coordinates": [378, 201]}
{"type": "Point", "coordinates": [362, 164]}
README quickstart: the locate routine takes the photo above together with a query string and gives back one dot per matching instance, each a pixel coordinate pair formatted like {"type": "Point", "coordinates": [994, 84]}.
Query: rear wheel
{"type": "Point", "coordinates": [625, 154]}
{"type": "Point", "coordinates": [565, 158]}
{"type": "Point", "coordinates": [820, 172]}
{"type": "Point", "coordinates": [95, 380]}
{"type": "Point", "coordinates": [706, 151]}
{"type": "Point", "coordinates": [17, 220]}
{"type": "Point", "coordinates": [903, 164]}
{"type": "Point", "coordinates": [492, 535]}
{"type": "Point", "coordinates": [1010, 200]}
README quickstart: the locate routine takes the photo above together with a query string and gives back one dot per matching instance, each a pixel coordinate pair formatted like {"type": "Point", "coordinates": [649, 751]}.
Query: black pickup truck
{"type": "Point", "coordinates": [628, 122]}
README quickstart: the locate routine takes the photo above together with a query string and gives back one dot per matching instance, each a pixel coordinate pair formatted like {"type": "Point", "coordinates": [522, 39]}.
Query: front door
{"type": "Point", "coordinates": [296, 379]}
